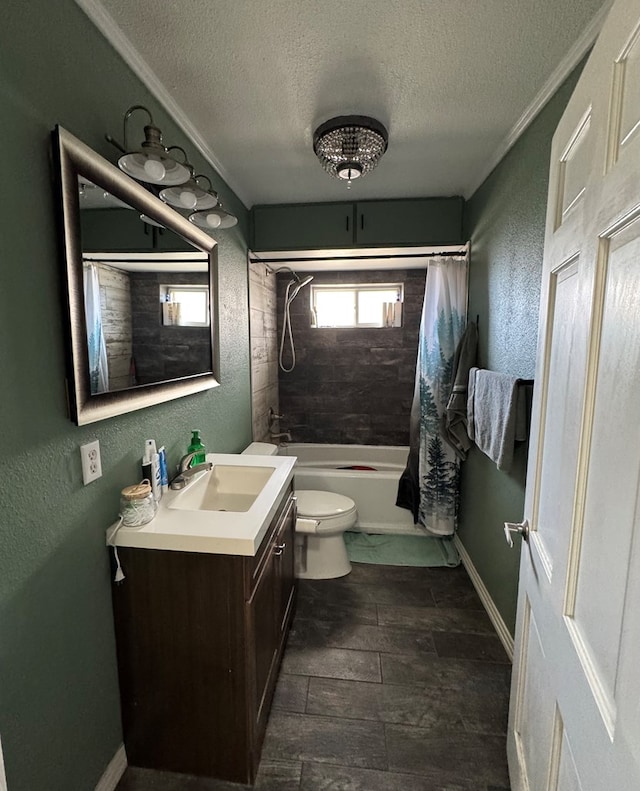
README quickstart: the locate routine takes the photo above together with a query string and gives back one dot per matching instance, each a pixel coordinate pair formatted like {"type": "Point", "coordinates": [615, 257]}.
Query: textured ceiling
{"type": "Point", "coordinates": [449, 78]}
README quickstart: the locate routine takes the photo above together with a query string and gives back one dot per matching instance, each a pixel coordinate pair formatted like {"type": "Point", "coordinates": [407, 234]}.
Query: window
{"type": "Point", "coordinates": [375, 305]}
{"type": "Point", "coordinates": [185, 306]}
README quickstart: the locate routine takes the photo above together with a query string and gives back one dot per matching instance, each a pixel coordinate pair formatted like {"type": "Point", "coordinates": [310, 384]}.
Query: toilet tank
{"type": "Point", "coordinates": [261, 449]}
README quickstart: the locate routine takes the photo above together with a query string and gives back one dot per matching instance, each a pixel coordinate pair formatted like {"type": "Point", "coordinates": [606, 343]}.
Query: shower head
{"type": "Point", "coordinates": [297, 284]}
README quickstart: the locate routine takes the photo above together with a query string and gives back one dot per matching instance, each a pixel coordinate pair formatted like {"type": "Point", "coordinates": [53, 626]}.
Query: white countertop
{"type": "Point", "coordinates": [217, 532]}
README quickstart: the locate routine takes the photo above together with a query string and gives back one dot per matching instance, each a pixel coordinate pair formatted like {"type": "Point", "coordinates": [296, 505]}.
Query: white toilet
{"type": "Point", "coordinates": [323, 517]}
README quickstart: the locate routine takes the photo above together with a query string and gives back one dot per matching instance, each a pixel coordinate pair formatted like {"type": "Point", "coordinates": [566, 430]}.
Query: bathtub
{"type": "Point", "coordinates": [373, 491]}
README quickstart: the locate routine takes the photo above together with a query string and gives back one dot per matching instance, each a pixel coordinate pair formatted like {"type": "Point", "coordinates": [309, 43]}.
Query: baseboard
{"type": "Point", "coordinates": [113, 773]}
{"type": "Point", "coordinates": [492, 611]}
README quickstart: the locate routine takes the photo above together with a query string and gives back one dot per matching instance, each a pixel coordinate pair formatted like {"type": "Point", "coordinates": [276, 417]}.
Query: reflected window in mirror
{"type": "Point", "coordinates": [185, 305]}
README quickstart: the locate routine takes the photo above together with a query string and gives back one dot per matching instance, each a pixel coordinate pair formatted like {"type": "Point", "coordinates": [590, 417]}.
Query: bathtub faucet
{"type": "Point", "coordinates": [274, 417]}
{"type": "Point", "coordinates": [281, 435]}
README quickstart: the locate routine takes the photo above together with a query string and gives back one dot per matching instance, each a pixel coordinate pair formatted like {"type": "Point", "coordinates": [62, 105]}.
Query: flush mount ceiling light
{"type": "Point", "coordinates": [211, 219]}
{"type": "Point", "coordinates": [152, 162]}
{"type": "Point", "coordinates": [350, 146]}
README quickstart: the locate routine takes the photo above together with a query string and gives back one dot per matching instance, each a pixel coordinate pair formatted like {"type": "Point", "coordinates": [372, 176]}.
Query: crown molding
{"type": "Point", "coordinates": [119, 41]}
{"type": "Point", "coordinates": [558, 76]}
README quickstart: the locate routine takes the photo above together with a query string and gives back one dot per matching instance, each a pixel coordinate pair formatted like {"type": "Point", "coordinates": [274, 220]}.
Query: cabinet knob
{"type": "Point", "coordinates": [279, 549]}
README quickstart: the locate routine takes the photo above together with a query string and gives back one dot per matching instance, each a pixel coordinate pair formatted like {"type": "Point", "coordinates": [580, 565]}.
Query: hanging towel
{"type": "Point", "coordinates": [493, 420]}
{"type": "Point", "coordinates": [454, 419]}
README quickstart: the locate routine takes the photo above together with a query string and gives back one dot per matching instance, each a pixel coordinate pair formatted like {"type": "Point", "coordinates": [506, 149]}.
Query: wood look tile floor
{"type": "Point", "coordinates": [393, 680]}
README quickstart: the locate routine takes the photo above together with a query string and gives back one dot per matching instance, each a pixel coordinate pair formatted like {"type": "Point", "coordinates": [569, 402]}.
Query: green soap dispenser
{"type": "Point", "coordinates": [197, 447]}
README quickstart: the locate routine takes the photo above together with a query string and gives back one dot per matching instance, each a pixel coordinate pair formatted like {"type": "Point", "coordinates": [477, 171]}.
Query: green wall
{"type": "Point", "coordinates": [59, 708]}
{"type": "Point", "coordinates": [505, 222]}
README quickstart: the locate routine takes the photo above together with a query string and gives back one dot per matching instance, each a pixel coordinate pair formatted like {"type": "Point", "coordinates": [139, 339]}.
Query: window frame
{"type": "Point", "coordinates": [167, 289]}
{"type": "Point", "coordinates": [357, 288]}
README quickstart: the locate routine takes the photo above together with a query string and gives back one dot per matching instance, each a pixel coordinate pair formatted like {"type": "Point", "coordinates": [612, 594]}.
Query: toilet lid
{"type": "Point", "coordinates": [318, 504]}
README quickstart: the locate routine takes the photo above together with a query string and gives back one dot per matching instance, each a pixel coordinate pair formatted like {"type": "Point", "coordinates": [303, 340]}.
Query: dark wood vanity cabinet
{"type": "Point", "coordinates": [199, 640]}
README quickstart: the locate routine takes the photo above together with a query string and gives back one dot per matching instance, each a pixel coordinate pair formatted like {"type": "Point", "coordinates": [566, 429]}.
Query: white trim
{"type": "Point", "coordinates": [113, 773]}
{"type": "Point", "coordinates": [114, 35]}
{"type": "Point", "coordinates": [492, 611]}
{"type": "Point", "coordinates": [558, 76]}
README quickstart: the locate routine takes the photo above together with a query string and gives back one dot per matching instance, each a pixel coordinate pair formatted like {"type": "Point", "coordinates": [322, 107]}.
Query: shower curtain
{"type": "Point", "coordinates": [429, 485]}
{"type": "Point", "coordinates": [98, 367]}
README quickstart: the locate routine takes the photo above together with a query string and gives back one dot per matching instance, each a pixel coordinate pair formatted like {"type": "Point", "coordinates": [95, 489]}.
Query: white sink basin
{"type": "Point", "coordinates": [227, 487]}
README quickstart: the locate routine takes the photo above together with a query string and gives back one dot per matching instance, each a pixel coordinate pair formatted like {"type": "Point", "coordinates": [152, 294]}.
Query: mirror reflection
{"type": "Point", "coordinates": [146, 307]}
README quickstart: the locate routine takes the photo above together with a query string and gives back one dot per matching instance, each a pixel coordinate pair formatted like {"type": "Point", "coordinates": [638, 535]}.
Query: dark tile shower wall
{"type": "Point", "coordinates": [351, 386]}
{"type": "Point", "coordinates": [165, 352]}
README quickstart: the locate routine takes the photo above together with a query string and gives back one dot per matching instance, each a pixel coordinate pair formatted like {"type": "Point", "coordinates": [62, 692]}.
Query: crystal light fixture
{"type": "Point", "coordinates": [350, 146]}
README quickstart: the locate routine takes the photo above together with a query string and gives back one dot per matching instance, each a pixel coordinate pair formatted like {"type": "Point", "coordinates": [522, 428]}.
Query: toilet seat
{"type": "Point", "coordinates": [333, 512]}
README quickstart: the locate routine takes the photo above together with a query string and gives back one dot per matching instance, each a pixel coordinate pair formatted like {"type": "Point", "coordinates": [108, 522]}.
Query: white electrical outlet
{"type": "Point", "coordinates": [91, 464]}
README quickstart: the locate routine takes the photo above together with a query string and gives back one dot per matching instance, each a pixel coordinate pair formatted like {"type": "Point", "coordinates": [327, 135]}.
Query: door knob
{"type": "Point", "coordinates": [516, 527]}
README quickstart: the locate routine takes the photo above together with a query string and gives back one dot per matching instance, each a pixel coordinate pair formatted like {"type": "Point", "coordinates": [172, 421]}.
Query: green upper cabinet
{"type": "Point", "coordinates": [409, 222]}
{"type": "Point", "coordinates": [117, 230]}
{"type": "Point", "coordinates": [419, 221]}
{"type": "Point", "coordinates": [164, 239]}
{"type": "Point", "coordinates": [122, 230]}
{"type": "Point", "coordinates": [303, 226]}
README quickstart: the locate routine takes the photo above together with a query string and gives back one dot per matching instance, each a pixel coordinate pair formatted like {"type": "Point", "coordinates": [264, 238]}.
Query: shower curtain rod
{"type": "Point", "coordinates": [347, 258]}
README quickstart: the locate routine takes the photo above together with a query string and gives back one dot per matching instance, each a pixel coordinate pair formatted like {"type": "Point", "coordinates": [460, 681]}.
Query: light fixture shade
{"type": "Point", "coordinates": [350, 146]}
{"type": "Point", "coordinates": [151, 163]}
{"type": "Point", "coordinates": [213, 219]}
{"type": "Point", "coordinates": [190, 196]}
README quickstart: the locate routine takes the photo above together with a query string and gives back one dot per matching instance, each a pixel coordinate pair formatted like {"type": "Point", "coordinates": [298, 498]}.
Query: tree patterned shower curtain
{"type": "Point", "coordinates": [96, 344]}
{"type": "Point", "coordinates": [429, 485]}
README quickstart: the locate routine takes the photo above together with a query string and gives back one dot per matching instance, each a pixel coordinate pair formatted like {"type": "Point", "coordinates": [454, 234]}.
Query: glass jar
{"type": "Point", "coordinates": [137, 506]}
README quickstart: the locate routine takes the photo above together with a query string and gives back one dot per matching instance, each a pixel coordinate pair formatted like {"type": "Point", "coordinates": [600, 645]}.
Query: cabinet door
{"type": "Point", "coordinates": [263, 638]}
{"type": "Point", "coordinates": [284, 555]}
{"type": "Point", "coordinates": [164, 239]}
{"type": "Point", "coordinates": [409, 222]}
{"type": "Point", "coordinates": [106, 230]}
{"type": "Point", "coordinates": [304, 226]}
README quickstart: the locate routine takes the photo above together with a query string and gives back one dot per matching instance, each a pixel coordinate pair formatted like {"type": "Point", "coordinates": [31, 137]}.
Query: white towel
{"type": "Point", "coordinates": [493, 422]}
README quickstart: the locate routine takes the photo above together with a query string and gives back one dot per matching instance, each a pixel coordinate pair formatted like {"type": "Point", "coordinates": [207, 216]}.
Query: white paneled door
{"type": "Point", "coordinates": [574, 722]}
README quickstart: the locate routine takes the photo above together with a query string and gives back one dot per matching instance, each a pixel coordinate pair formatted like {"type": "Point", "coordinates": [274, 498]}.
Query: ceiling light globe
{"type": "Point", "coordinates": [349, 171]}
{"type": "Point", "coordinates": [213, 220]}
{"type": "Point", "coordinates": [188, 199]}
{"type": "Point", "coordinates": [154, 169]}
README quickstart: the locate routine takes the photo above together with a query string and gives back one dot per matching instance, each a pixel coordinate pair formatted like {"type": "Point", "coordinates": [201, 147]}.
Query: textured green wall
{"type": "Point", "coordinates": [59, 709]}
{"type": "Point", "coordinates": [505, 222]}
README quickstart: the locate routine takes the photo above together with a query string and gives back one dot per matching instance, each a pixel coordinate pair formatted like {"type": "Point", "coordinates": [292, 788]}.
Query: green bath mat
{"type": "Point", "coordinates": [391, 550]}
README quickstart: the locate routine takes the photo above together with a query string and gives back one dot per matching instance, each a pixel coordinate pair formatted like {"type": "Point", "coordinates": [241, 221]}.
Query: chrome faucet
{"type": "Point", "coordinates": [273, 421]}
{"type": "Point", "coordinates": [281, 435]}
{"type": "Point", "coordinates": [186, 471]}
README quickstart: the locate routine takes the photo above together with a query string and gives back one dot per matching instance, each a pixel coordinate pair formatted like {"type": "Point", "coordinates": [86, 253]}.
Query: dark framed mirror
{"type": "Point", "coordinates": [141, 288]}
